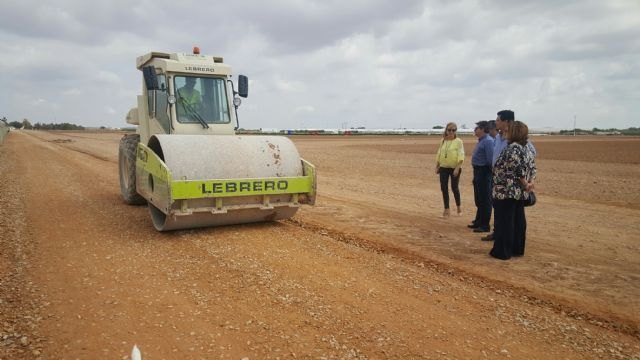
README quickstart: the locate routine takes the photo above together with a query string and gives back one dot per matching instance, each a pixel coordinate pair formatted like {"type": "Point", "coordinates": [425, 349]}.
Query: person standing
{"type": "Point", "coordinates": [513, 176]}
{"type": "Point", "coordinates": [449, 159]}
{"type": "Point", "coordinates": [503, 120]}
{"type": "Point", "coordinates": [493, 132]}
{"type": "Point", "coordinates": [481, 160]}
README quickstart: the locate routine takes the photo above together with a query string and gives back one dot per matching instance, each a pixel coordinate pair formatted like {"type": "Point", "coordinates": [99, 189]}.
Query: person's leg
{"type": "Point", "coordinates": [476, 197]}
{"type": "Point", "coordinates": [491, 208]}
{"type": "Point", "coordinates": [484, 203]}
{"type": "Point", "coordinates": [455, 182]}
{"type": "Point", "coordinates": [444, 186]}
{"type": "Point", "coordinates": [520, 229]}
{"type": "Point", "coordinates": [498, 244]}
{"type": "Point", "coordinates": [490, 195]}
{"type": "Point", "coordinates": [504, 229]}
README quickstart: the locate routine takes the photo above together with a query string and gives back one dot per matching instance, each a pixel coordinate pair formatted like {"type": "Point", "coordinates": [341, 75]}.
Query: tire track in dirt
{"type": "Point", "coordinates": [627, 326]}
{"type": "Point", "coordinates": [68, 144]}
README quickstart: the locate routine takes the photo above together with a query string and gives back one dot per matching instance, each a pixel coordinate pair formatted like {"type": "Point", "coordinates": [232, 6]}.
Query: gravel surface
{"type": "Point", "coordinates": [369, 273]}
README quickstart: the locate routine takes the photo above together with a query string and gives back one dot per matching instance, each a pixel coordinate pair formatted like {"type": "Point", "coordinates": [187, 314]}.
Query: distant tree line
{"type": "Point", "coordinates": [629, 131]}
{"type": "Point", "coordinates": [62, 126]}
{"type": "Point", "coordinates": [26, 124]}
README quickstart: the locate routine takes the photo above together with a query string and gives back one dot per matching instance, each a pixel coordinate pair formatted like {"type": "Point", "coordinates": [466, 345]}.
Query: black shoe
{"type": "Point", "coordinates": [487, 238]}
{"type": "Point", "coordinates": [481, 230]}
{"type": "Point", "coordinates": [473, 225]}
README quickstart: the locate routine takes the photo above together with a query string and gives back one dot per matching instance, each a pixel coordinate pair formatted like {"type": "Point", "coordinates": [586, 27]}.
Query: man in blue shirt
{"type": "Point", "coordinates": [493, 132]}
{"type": "Point", "coordinates": [482, 163]}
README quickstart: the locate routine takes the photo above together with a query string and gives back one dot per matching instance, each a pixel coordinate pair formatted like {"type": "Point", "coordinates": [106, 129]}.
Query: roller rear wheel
{"type": "Point", "coordinates": [127, 166]}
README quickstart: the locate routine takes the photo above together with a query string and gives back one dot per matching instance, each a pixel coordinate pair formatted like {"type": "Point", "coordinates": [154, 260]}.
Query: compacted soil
{"type": "Point", "coordinates": [370, 272]}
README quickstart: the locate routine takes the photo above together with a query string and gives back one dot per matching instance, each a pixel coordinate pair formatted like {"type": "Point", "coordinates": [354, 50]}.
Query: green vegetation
{"type": "Point", "coordinates": [62, 126]}
{"type": "Point", "coordinates": [26, 124]}
{"type": "Point", "coordinates": [21, 124]}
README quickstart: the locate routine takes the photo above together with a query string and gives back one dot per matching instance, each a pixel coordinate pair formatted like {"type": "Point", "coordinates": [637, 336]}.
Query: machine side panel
{"type": "Point", "coordinates": [153, 178]}
{"type": "Point", "coordinates": [143, 119]}
{"type": "Point", "coordinates": [309, 170]}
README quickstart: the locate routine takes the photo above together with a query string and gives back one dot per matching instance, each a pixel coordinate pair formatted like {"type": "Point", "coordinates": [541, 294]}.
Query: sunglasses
{"type": "Point", "coordinates": [452, 130]}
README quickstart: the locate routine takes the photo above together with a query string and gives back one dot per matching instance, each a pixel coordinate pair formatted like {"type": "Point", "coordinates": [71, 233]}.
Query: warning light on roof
{"type": "Point", "coordinates": [196, 50]}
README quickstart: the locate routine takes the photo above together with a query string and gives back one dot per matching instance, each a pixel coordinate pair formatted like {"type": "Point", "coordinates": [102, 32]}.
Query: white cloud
{"type": "Point", "coordinates": [72, 92]}
{"type": "Point", "coordinates": [369, 63]}
{"type": "Point", "coordinates": [288, 86]}
{"type": "Point", "coordinates": [305, 109]}
{"type": "Point", "coordinates": [103, 77]}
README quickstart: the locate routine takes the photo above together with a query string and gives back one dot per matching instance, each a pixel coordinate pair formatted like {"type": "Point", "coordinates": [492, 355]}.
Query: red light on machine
{"type": "Point", "coordinates": [196, 50]}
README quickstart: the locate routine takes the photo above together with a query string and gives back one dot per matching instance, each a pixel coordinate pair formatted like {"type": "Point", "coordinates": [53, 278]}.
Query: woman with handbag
{"type": "Point", "coordinates": [513, 176]}
{"type": "Point", "coordinates": [449, 159]}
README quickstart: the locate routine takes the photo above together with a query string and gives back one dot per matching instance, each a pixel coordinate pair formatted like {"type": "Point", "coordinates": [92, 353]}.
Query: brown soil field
{"type": "Point", "coordinates": [370, 272]}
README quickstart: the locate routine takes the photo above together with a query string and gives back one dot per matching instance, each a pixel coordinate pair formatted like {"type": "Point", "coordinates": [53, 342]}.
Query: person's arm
{"type": "Point", "coordinates": [438, 157]}
{"type": "Point", "coordinates": [532, 149]}
{"type": "Point", "coordinates": [488, 151]}
{"type": "Point", "coordinates": [522, 168]}
{"type": "Point", "coordinates": [456, 170]}
{"type": "Point", "coordinates": [533, 173]}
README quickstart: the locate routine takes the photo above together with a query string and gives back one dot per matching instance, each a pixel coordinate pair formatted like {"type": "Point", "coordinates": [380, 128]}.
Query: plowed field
{"type": "Point", "coordinates": [370, 272]}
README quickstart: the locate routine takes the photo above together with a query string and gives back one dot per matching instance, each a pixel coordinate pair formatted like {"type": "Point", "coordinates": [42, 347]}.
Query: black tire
{"type": "Point", "coordinates": [127, 167]}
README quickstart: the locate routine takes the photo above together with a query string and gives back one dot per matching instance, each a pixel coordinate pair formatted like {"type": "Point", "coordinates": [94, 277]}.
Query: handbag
{"type": "Point", "coordinates": [531, 200]}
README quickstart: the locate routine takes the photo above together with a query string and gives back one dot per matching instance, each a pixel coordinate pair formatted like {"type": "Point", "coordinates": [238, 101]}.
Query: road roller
{"type": "Point", "coordinates": [185, 160]}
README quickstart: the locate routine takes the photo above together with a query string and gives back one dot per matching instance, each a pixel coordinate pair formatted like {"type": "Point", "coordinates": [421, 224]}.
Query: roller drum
{"type": "Point", "coordinates": [198, 157]}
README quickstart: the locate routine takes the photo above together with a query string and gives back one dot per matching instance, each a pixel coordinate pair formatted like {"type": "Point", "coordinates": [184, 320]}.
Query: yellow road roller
{"type": "Point", "coordinates": [187, 163]}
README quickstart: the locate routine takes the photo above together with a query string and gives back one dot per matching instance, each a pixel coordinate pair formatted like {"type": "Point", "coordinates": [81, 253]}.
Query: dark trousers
{"type": "Point", "coordinates": [482, 195]}
{"type": "Point", "coordinates": [510, 228]}
{"type": "Point", "coordinates": [445, 174]}
{"type": "Point", "coordinates": [521, 230]}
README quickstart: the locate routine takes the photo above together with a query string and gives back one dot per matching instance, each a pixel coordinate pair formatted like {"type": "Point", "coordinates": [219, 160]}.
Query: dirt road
{"type": "Point", "coordinates": [371, 272]}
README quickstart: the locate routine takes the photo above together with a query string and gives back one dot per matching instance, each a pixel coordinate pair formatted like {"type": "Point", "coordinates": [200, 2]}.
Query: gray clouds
{"type": "Point", "coordinates": [327, 63]}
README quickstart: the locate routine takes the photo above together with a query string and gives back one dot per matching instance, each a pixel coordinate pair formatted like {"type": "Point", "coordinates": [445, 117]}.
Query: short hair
{"type": "Point", "coordinates": [492, 124]}
{"type": "Point", "coordinates": [518, 133]}
{"type": "Point", "coordinates": [484, 125]}
{"type": "Point", "coordinates": [506, 115]}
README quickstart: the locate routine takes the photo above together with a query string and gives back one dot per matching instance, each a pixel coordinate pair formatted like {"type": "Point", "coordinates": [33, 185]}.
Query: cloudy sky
{"type": "Point", "coordinates": [332, 64]}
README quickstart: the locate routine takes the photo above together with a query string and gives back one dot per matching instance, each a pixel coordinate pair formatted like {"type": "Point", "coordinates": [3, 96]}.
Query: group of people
{"type": "Point", "coordinates": [504, 173]}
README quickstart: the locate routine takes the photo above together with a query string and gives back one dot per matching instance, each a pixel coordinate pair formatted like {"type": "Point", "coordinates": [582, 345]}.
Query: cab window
{"type": "Point", "coordinates": [201, 98]}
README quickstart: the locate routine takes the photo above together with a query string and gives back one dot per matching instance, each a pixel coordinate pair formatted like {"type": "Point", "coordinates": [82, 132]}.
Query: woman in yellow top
{"type": "Point", "coordinates": [449, 165]}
